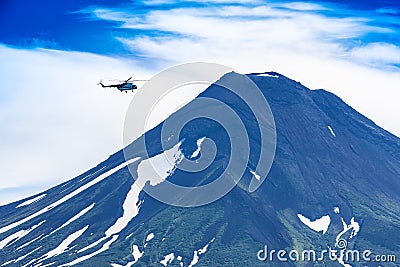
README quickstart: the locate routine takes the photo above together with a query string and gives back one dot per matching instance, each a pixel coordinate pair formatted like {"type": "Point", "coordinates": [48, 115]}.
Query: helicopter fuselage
{"type": "Point", "coordinates": [126, 87]}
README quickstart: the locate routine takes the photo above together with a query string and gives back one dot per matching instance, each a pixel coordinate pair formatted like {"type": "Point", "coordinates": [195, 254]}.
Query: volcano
{"type": "Point", "coordinates": [334, 184]}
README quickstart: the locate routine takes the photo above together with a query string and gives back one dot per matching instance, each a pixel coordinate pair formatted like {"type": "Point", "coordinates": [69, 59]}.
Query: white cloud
{"type": "Point", "coordinates": [381, 54]}
{"type": "Point", "coordinates": [55, 121]}
{"type": "Point", "coordinates": [304, 6]}
{"type": "Point", "coordinates": [318, 50]}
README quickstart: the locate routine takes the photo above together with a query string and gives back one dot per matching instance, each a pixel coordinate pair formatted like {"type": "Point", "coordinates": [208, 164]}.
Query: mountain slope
{"type": "Point", "coordinates": [330, 162]}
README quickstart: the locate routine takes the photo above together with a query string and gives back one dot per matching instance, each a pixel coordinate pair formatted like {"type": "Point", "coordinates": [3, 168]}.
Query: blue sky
{"type": "Point", "coordinates": [56, 123]}
{"type": "Point", "coordinates": [73, 25]}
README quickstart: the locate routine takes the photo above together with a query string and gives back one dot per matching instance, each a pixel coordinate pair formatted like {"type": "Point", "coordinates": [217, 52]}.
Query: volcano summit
{"type": "Point", "coordinates": [334, 183]}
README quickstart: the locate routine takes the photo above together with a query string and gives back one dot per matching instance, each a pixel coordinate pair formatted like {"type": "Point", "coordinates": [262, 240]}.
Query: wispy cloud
{"type": "Point", "coordinates": [303, 6]}
{"type": "Point", "coordinates": [377, 54]}
{"type": "Point", "coordinates": [346, 51]}
{"type": "Point", "coordinates": [210, 30]}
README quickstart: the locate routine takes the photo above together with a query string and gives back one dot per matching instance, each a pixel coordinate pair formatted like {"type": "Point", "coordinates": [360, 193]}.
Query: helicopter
{"type": "Point", "coordinates": [124, 86]}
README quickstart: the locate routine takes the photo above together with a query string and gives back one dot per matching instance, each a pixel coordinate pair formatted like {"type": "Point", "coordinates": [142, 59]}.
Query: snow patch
{"type": "Point", "coordinates": [159, 167]}
{"type": "Point", "coordinates": [155, 170]}
{"type": "Point", "coordinates": [136, 256]}
{"type": "Point", "coordinates": [267, 75]}
{"type": "Point", "coordinates": [257, 176]}
{"type": "Point", "coordinates": [30, 242]}
{"type": "Point", "coordinates": [30, 201]}
{"type": "Point", "coordinates": [46, 265]}
{"type": "Point", "coordinates": [336, 210]}
{"type": "Point", "coordinates": [27, 254]}
{"type": "Point", "coordinates": [130, 210]}
{"type": "Point", "coordinates": [64, 244]}
{"type": "Point", "coordinates": [67, 197]}
{"type": "Point", "coordinates": [7, 263]}
{"type": "Point", "coordinates": [318, 225]}
{"type": "Point", "coordinates": [136, 253]}
{"type": "Point", "coordinates": [199, 142]}
{"type": "Point", "coordinates": [74, 218]}
{"type": "Point", "coordinates": [105, 247]}
{"type": "Point", "coordinates": [168, 259]}
{"type": "Point", "coordinates": [179, 258]}
{"type": "Point", "coordinates": [355, 228]}
{"type": "Point", "coordinates": [331, 130]}
{"type": "Point", "coordinates": [17, 235]}
{"type": "Point", "coordinates": [195, 259]}
{"type": "Point", "coordinates": [92, 245]}
{"type": "Point", "coordinates": [204, 249]}
{"type": "Point", "coordinates": [92, 174]}
{"type": "Point", "coordinates": [149, 237]}
{"type": "Point", "coordinates": [20, 258]}
{"type": "Point", "coordinates": [199, 252]}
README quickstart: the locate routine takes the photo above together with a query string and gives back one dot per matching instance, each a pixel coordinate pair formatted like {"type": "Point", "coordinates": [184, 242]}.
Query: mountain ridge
{"type": "Point", "coordinates": [327, 156]}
